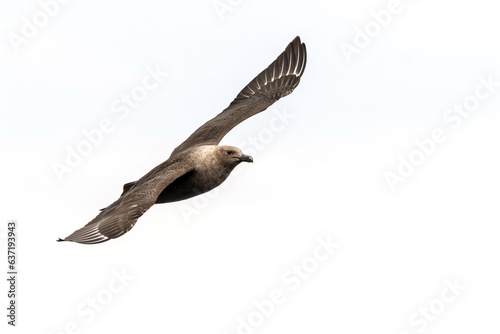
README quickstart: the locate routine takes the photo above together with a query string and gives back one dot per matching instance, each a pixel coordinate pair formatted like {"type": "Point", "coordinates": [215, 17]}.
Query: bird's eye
{"type": "Point", "coordinates": [229, 152]}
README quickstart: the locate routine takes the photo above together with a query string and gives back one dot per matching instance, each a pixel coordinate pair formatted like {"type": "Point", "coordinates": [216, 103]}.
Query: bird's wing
{"type": "Point", "coordinates": [119, 218]}
{"type": "Point", "coordinates": [276, 81]}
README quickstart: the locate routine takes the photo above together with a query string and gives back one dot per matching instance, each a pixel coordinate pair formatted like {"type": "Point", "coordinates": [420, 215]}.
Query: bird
{"type": "Point", "coordinates": [198, 164]}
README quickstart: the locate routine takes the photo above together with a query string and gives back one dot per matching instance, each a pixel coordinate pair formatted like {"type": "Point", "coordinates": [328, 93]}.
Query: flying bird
{"type": "Point", "coordinates": [198, 164]}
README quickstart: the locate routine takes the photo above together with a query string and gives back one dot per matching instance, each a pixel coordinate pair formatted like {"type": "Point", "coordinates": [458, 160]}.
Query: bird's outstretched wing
{"type": "Point", "coordinates": [276, 81]}
{"type": "Point", "coordinates": [119, 218]}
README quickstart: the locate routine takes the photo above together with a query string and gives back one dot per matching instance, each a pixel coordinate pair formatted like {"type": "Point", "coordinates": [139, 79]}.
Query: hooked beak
{"type": "Point", "coordinates": [245, 158]}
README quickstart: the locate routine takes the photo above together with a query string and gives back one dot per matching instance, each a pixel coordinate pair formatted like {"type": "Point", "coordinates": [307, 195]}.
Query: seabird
{"type": "Point", "coordinates": [198, 164]}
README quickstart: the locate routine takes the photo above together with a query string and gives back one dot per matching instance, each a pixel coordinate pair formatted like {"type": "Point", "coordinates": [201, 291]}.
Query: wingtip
{"type": "Point", "coordinates": [297, 40]}
{"type": "Point", "coordinates": [59, 240]}
{"type": "Point", "coordinates": [280, 78]}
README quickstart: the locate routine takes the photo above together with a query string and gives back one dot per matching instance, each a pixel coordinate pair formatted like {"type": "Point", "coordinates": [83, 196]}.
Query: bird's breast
{"type": "Point", "coordinates": [192, 184]}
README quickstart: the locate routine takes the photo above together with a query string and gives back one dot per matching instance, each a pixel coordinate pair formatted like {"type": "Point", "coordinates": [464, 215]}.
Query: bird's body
{"type": "Point", "coordinates": [197, 165]}
{"type": "Point", "coordinates": [209, 171]}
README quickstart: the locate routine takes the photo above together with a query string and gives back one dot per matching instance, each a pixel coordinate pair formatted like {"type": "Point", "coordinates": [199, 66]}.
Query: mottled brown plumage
{"type": "Point", "coordinates": [197, 165]}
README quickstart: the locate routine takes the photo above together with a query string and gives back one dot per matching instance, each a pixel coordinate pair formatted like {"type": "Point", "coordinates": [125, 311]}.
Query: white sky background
{"type": "Point", "coordinates": [321, 176]}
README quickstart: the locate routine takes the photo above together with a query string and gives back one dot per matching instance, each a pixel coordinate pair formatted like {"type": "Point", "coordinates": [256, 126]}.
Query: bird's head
{"type": "Point", "coordinates": [232, 156]}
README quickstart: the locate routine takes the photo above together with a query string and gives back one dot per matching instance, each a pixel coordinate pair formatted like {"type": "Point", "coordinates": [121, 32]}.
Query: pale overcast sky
{"type": "Point", "coordinates": [372, 204]}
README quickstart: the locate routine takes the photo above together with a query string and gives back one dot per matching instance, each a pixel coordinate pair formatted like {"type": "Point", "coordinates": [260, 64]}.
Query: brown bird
{"type": "Point", "coordinates": [198, 164]}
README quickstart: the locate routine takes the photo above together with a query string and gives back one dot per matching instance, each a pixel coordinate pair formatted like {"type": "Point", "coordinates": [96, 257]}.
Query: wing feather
{"type": "Point", "coordinates": [119, 217]}
{"type": "Point", "coordinates": [277, 80]}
